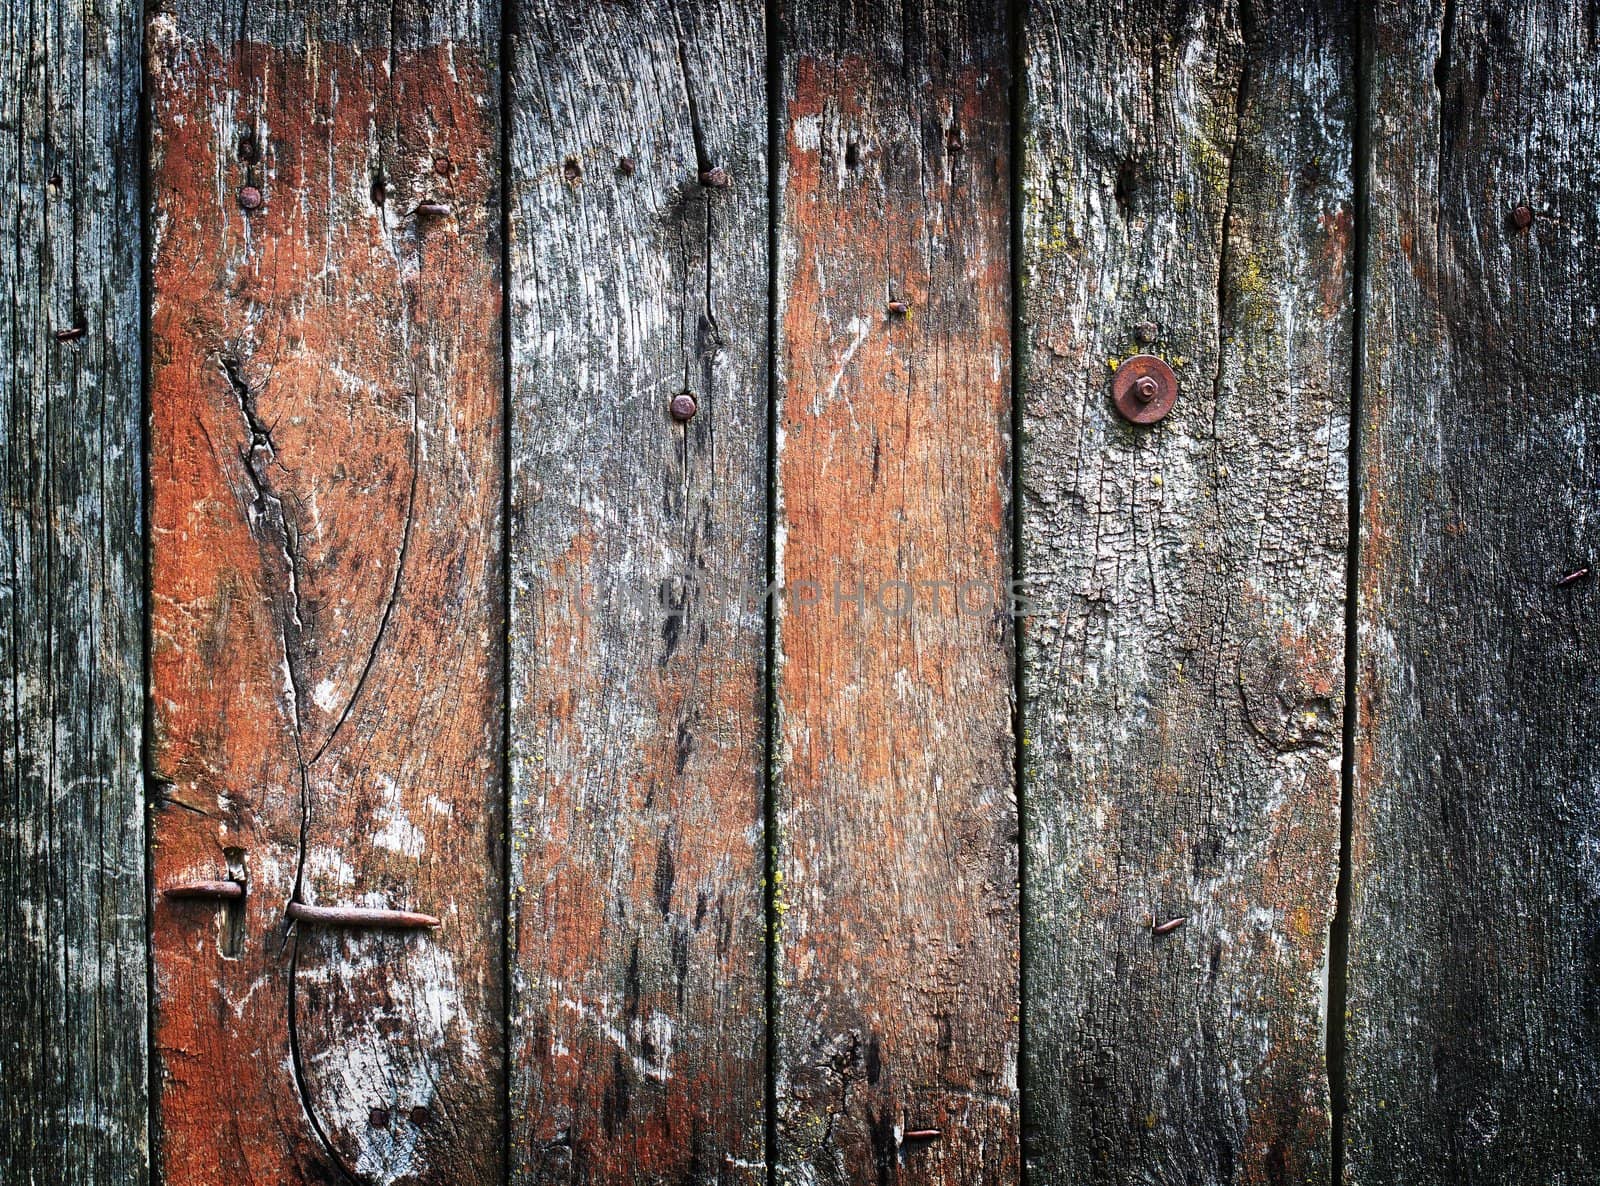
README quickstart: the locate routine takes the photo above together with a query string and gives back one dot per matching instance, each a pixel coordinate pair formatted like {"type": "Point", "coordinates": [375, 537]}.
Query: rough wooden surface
{"type": "Point", "coordinates": [1474, 1021]}
{"type": "Point", "coordinates": [637, 674]}
{"type": "Point", "coordinates": [1186, 168]}
{"type": "Point", "coordinates": [896, 814]}
{"type": "Point", "coordinates": [73, 1069]}
{"type": "Point", "coordinates": [326, 452]}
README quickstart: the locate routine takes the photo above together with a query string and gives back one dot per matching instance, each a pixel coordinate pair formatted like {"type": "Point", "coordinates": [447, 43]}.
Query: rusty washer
{"type": "Point", "coordinates": [1144, 389]}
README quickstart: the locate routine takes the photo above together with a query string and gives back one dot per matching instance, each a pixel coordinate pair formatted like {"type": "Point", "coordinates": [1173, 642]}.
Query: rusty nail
{"type": "Point", "coordinates": [921, 1134]}
{"type": "Point", "coordinates": [1146, 332]}
{"type": "Point", "coordinates": [898, 308]}
{"type": "Point", "coordinates": [684, 406]}
{"type": "Point", "coordinates": [70, 335]}
{"type": "Point", "coordinates": [1144, 389]}
{"type": "Point", "coordinates": [247, 147]}
{"type": "Point", "coordinates": [419, 1116]}
{"type": "Point", "coordinates": [1573, 577]}
{"type": "Point", "coordinates": [716, 178]}
{"type": "Point", "coordinates": [438, 208]}
{"type": "Point", "coordinates": [625, 166]}
{"type": "Point", "coordinates": [250, 198]}
{"type": "Point", "coordinates": [1522, 218]}
{"type": "Point", "coordinates": [231, 890]}
{"type": "Point", "coordinates": [441, 165]}
{"type": "Point", "coordinates": [1166, 928]}
{"type": "Point", "coordinates": [378, 1117]}
{"type": "Point", "coordinates": [359, 916]}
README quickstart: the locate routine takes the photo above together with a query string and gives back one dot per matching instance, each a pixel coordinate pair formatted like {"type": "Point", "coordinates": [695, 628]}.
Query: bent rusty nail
{"type": "Point", "coordinates": [71, 334]}
{"type": "Point", "coordinates": [1172, 924]}
{"type": "Point", "coordinates": [205, 889]}
{"type": "Point", "coordinates": [359, 916]}
{"type": "Point", "coordinates": [921, 1134]}
{"type": "Point", "coordinates": [1573, 577]}
{"type": "Point", "coordinates": [438, 208]}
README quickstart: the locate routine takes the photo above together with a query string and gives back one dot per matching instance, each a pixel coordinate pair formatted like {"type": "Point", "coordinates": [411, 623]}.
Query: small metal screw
{"type": "Point", "coordinates": [441, 165]}
{"type": "Point", "coordinates": [70, 335]}
{"type": "Point", "coordinates": [625, 166]}
{"type": "Point", "coordinates": [898, 308]}
{"type": "Point", "coordinates": [1146, 332]}
{"type": "Point", "coordinates": [716, 178]}
{"type": "Point", "coordinates": [1166, 928]}
{"type": "Point", "coordinates": [684, 406]}
{"type": "Point", "coordinates": [250, 198]}
{"type": "Point", "coordinates": [1522, 218]}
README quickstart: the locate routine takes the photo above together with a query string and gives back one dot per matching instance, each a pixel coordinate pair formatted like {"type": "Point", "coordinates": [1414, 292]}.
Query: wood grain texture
{"type": "Point", "coordinates": [637, 657]}
{"type": "Point", "coordinates": [895, 805]}
{"type": "Point", "coordinates": [1186, 167]}
{"type": "Point", "coordinates": [73, 978]}
{"type": "Point", "coordinates": [1474, 1012]}
{"type": "Point", "coordinates": [326, 455]}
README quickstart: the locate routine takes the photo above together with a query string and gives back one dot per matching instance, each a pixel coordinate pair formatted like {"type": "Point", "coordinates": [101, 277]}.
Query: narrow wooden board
{"type": "Point", "coordinates": [637, 556]}
{"type": "Point", "coordinates": [1183, 674]}
{"type": "Point", "coordinates": [896, 846]}
{"type": "Point", "coordinates": [1474, 1033]}
{"type": "Point", "coordinates": [73, 982]}
{"type": "Point", "coordinates": [326, 457]}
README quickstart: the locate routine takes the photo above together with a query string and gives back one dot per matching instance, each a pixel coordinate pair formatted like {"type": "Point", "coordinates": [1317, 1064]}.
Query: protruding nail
{"type": "Point", "coordinates": [71, 334]}
{"type": "Point", "coordinates": [716, 178]}
{"type": "Point", "coordinates": [229, 890]}
{"type": "Point", "coordinates": [921, 1134]}
{"type": "Point", "coordinates": [1166, 928]}
{"type": "Point", "coordinates": [359, 916]}
{"type": "Point", "coordinates": [898, 308]}
{"type": "Point", "coordinates": [250, 198]}
{"type": "Point", "coordinates": [1573, 577]}
{"type": "Point", "coordinates": [436, 209]}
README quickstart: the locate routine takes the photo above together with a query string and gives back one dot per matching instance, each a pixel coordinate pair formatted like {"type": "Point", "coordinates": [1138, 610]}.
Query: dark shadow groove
{"type": "Point", "coordinates": [146, 266]}
{"type": "Point", "coordinates": [1339, 931]}
{"type": "Point", "coordinates": [508, 30]}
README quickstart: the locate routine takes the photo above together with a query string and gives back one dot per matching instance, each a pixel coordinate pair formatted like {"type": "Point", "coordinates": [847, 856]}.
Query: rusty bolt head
{"type": "Point", "coordinates": [1144, 389]}
{"type": "Point", "coordinates": [1146, 332]}
{"type": "Point", "coordinates": [625, 166]}
{"type": "Point", "coordinates": [684, 406]}
{"type": "Point", "coordinates": [898, 308]}
{"type": "Point", "coordinates": [1522, 217]}
{"type": "Point", "coordinates": [250, 198]}
{"type": "Point", "coordinates": [716, 178]}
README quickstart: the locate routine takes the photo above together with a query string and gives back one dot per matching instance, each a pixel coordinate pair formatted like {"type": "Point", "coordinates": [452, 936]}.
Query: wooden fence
{"type": "Point", "coordinates": [578, 607]}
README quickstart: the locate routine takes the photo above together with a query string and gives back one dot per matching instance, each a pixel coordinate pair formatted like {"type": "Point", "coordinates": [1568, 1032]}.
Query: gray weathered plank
{"type": "Point", "coordinates": [326, 459]}
{"type": "Point", "coordinates": [896, 844]}
{"type": "Point", "coordinates": [73, 992]}
{"type": "Point", "coordinates": [1474, 1020]}
{"type": "Point", "coordinates": [1186, 169]}
{"type": "Point", "coordinates": [637, 992]}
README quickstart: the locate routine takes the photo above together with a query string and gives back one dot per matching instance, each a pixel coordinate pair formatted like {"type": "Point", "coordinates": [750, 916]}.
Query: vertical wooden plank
{"type": "Point", "coordinates": [326, 457]}
{"type": "Point", "coordinates": [73, 1069]}
{"type": "Point", "coordinates": [1474, 1036]}
{"type": "Point", "coordinates": [1187, 193]}
{"type": "Point", "coordinates": [638, 550]}
{"type": "Point", "coordinates": [896, 809]}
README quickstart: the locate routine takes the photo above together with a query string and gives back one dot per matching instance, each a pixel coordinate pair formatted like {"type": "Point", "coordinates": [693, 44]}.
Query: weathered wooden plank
{"type": "Point", "coordinates": [637, 659]}
{"type": "Point", "coordinates": [326, 457]}
{"type": "Point", "coordinates": [73, 1071]}
{"type": "Point", "coordinates": [1186, 172]}
{"type": "Point", "coordinates": [1474, 1038]}
{"type": "Point", "coordinates": [896, 843]}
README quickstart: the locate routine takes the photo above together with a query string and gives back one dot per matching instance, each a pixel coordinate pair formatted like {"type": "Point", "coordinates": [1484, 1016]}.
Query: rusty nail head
{"type": "Point", "coordinates": [1144, 389]}
{"type": "Point", "coordinates": [716, 178]}
{"type": "Point", "coordinates": [625, 166]}
{"type": "Point", "coordinates": [441, 165]}
{"type": "Point", "coordinates": [250, 198]}
{"type": "Point", "coordinates": [1522, 218]}
{"type": "Point", "coordinates": [378, 1117]}
{"type": "Point", "coordinates": [898, 308]}
{"type": "Point", "coordinates": [70, 335]}
{"type": "Point", "coordinates": [684, 406]}
{"type": "Point", "coordinates": [1166, 928]}
{"type": "Point", "coordinates": [1146, 332]}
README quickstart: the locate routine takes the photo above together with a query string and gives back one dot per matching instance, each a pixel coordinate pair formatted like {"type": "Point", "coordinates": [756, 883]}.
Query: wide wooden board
{"type": "Point", "coordinates": [638, 546]}
{"type": "Point", "coordinates": [326, 469]}
{"type": "Point", "coordinates": [896, 829]}
{"type": "Point", "coordinates": [1187, 192]}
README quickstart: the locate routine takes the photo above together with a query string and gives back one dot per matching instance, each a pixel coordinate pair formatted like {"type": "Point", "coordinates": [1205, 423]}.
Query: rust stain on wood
{"type": "Point", "coordinates": [897, 931]}
{"type": "Point", "coordinates": [326, 471]}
